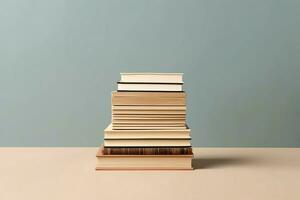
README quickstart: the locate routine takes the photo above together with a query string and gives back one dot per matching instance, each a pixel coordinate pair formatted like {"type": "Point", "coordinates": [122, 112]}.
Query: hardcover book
{"type": "Point", "coordinates": [110, 133]}
{"type": "Point", "coordinates": [148, 98]}
{"type": "Point", "coordinates": [152, 77]}
{"type": "Point", "coordinates": [143, 162]}
{"type": "Point", "coordinates": [147, 143]}
{"type": "Point", "coordinates": [125, 86]}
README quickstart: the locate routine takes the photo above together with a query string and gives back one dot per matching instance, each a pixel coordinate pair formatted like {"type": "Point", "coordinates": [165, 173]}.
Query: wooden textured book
{"type": "Point", "coordinates": [149, 77]}
{"type": "Point", "coordinates": [148, 98]}
{"type": "Point", "coordinates": [110, 133]}
{"type": "Point", "coordinates": [147, 151]}
{"type": "Point", "coordinates": [143, 162]}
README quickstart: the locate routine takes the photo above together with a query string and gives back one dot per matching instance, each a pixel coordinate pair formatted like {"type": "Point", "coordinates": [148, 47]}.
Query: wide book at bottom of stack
{"type": "Point", "coordinates": [143, 162]}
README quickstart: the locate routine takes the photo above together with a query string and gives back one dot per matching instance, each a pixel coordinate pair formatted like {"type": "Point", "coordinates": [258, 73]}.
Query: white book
{"type": "Point", "coordinates": [147, 143]}
{"type": "Point", "coordinates": [110, 133]}
{"type": "Point", "coordinates": [150, 87]}
{"type": "Point", "coordinates": [152, 77]}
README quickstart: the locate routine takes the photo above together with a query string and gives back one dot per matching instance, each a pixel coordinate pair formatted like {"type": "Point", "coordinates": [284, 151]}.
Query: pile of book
{"type": "Point", "coordinates": [148, 129]}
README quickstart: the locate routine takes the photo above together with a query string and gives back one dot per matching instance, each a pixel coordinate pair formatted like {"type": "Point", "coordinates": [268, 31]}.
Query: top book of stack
{"type": "Point", "coordinates": [171, 82]}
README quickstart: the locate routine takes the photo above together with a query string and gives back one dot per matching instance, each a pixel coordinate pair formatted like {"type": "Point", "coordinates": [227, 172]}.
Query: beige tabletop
{"type": "Point", "coordinates": [220, 173]}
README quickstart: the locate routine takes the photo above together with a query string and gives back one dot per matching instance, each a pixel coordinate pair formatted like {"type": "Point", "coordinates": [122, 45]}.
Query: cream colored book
{"type": "Point", "coordinates": [109, 133]}
{"type": "Point", "coordinates": [141, 126]}
{"type": "Point", "coordinates": [151, 108]}
{"type": "Point", "coordinates": [149, 87]}
{"type": "Point", "coordinates": [148, 112]}
{"type": "Point", "coordinates": [149, 77]}
{"type": "Point", "coordinates": [143, 162]}
{"type": "Point", "coordinates": [149, 127]}
{"type": "Point", "coordinates": [147, 143]}
{"type": "Point", "coordinates": [148, 121]}
{"type": "Point", "coordinates": [148, 98]}
{"type": "Point", "coordinates": [165, 116]}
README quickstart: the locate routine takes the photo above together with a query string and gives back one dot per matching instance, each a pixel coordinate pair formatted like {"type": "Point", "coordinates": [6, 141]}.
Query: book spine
{"type": "Point", "coordinates": [147, 151]}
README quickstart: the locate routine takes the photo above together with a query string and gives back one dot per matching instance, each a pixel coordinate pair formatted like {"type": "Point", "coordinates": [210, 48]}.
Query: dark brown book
{"type": "Point", "coordinates": [147, 151]}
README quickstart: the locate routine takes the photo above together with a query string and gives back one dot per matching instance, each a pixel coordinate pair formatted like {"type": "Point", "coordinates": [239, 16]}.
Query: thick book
{"type": "Point", "coordinates": [147, 151]}
{"type": "Point", "coordinates": [110, 133]}
{"type": "Point", "coordinates": [148, 98]}
{"type": "Point", "coordinates": [168, 87]}
{"type": "Point", "coordinates": [149, 77]}
{"type": "Point", "coordinates": [147, 142]}
{"type": "Point", "coordinates": [143, 162]}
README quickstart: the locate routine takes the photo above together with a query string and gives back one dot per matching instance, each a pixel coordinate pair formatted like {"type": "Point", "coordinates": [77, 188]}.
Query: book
{"type": "Point", "coordinates": [148, 112]}
{"type": "Point", "coordinates": [148, 98]}
{"type": "Point", "coordinates": [145, 110]}
{"type": "Point", "coordinates": [151, 108]}
{"type": "Point", "coordinates": [152, 77]}
{"type": "Point", "coordinates": [126, 86]}
{"type": "Point", "coordinates": [148, 121]}
{"type": "Point", "coordinates": [143, 162]}
{"type": "Point", "coordinates": [148, 127]}
{"type": "Point", "coordinates": [147, 143]}
{"type": "Point", "coordinates": [147, 151]}
{"type": "Point", "coordinates": [110, 133]}
{"type": "Point", "coordinates": [148, 116]}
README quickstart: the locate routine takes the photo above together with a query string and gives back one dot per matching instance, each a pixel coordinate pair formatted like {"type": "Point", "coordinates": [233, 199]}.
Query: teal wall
{"type": "Point", "coordinates": [61, 58]}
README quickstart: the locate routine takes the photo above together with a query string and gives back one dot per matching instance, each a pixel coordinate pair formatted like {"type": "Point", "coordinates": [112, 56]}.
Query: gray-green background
{"type": "Point", "coordinates": [61, 58]}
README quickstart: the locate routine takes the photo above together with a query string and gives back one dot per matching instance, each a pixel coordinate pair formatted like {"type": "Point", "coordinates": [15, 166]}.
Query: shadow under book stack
{"type": "Point", "coordinates": [148, 129]}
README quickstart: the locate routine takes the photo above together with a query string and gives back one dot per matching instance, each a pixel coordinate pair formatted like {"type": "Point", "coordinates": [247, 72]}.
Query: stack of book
{"type": "Point", "coordinates": [148, 129]}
